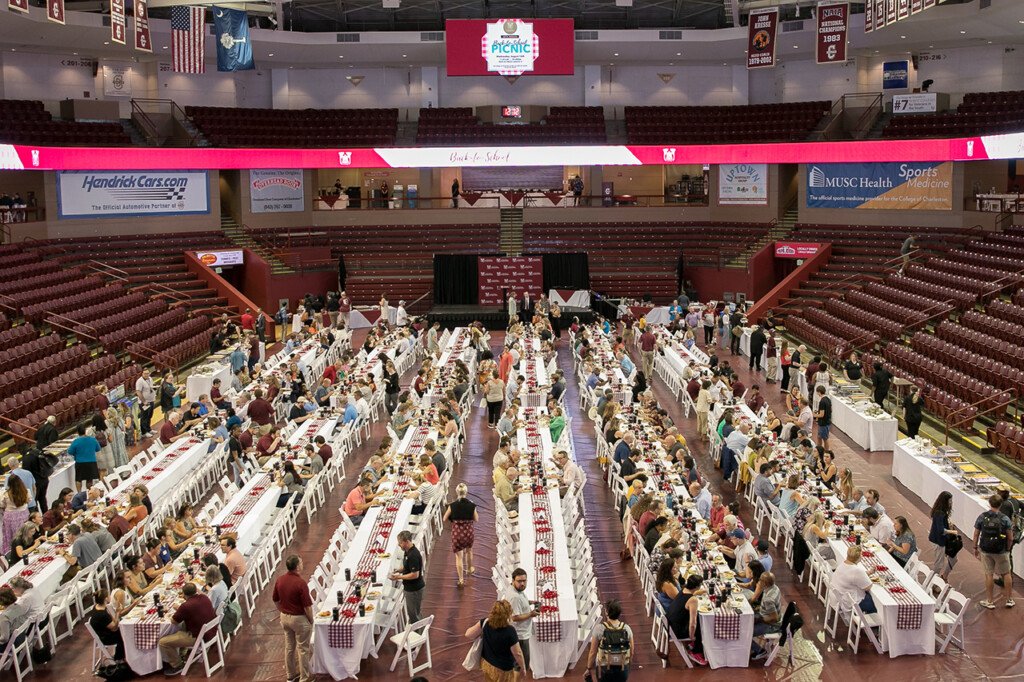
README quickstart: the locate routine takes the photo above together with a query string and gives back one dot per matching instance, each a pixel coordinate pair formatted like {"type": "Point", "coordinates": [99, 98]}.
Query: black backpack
{"type": "Point", "coordinates": [992, 538]}
{"type": "Point", "coordinates": [613, 650]}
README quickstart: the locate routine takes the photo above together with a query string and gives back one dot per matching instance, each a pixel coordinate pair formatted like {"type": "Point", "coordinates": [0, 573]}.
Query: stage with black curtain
{"type": "Point", "coordinates": [457, 288]}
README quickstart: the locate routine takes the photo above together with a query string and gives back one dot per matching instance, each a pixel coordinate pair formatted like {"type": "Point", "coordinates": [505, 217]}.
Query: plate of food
{"type": "Point", "coordinates": [373, 594]}
{"type": "Point", "coordinates": [384, 555]}
{"type": "Point", "coordinates": [324, 614]}
{"type": "Point", "coordinates": [369, 607]}
{"type": "Point", "coordinates": [704, 608]}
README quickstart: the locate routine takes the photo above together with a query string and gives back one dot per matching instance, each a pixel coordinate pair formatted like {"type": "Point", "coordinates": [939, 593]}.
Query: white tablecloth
{"type": "Point", "coordinates": [871, 434]}
{"type": "Point", "coordinates": [249, 526]}
{"type": "Point", "coordinates": [926, 479]}
{"type": "Point", "coordinates": [200, 384]}
{"type": "Point", "coordinates": [143, 661]}
{"type": "Point", "coordinates": [323, 427]}
{"type": "Point", "coordinates": [728, 653]}
{"type": "Point", "coordinates": [342, 663]}
{"type": "Point", "coordinates": [46, 582]}
{"type": "Point", "coordinates": [162, 474]}
{"type": "Point", "coordinates": [898, 642]}
{"type": "Point", "coordinates": [745, 346]}
{"type": "Point", "coordinates": [580, 298]}
{"type": "Point", "coordinates": [549, 659]}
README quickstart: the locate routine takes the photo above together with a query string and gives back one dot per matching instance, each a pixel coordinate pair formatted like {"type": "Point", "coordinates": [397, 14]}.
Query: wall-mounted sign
{"type": "Point", "coordinates": [796, 249]}
{"type": "Point", "coordinates": [216, 259]}
{"type": "Point", "coordinates": [94, 194]}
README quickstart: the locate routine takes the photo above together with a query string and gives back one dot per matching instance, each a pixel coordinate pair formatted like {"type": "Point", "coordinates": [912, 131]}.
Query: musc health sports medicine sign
{"type": "Point", "coordinates": [889, 186]}
{"type": "Point", "coordinates": [92, 194]}
{"type": "Point", "coordinates": [276, 191]}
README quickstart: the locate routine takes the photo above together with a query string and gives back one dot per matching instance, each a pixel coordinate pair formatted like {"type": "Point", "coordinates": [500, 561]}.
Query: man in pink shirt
{"type": "Point", "coordinates": [359, 500]}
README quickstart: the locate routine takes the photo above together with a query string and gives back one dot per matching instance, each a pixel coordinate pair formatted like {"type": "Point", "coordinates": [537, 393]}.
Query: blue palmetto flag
{"type": "Point", "coordinates": [234, 47]}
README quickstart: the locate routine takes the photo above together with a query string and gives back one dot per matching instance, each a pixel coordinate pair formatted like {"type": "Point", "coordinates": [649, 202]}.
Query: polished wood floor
{"type": "Point", "coordinates": [995, 640]}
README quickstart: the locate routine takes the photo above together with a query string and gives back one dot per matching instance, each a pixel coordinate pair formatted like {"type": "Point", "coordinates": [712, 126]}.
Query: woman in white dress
{"type": "Point", "coordinates": [116, 435]}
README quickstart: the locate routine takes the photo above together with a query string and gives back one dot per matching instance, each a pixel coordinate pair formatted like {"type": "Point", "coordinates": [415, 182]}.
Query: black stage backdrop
{"type": "Point", "coordinates": [456, 276]}
{"type": "Point", "coordinates": [566, 271]}
{"type": "Point", "coordinates": [456, 279]}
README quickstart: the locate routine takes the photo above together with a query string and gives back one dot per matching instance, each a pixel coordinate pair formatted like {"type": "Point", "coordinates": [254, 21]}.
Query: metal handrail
{"type": "Point", "coordinates": [428, 292]}
{"type": "Point", "coordinates": [9, 303]}
{"type": "Point", "coordinates": [64, 325]}
{"type": "Point", "coordinates": [28, 429]}
{"type": "Point", "coordinates": [108, 270]}
{"type": "Point", "coordinates": [949, 418]}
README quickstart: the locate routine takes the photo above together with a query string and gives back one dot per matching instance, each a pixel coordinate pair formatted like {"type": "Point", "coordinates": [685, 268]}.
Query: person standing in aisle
{"type": "Point", "coordinates": [293, 601]}
{"type": "Point", "coordinates": [411, 576]}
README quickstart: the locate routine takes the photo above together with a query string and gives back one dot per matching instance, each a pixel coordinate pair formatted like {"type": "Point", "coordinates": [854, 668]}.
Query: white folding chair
{"type": "Point", "coordinates": [865, 623]}
{"type": "Point", "coordinates": [17, 654]}
{"type": "Point", "coordinates": [950, 618]}
{"type": "Point", "coordinates": [101, 652]}
{"type": "Point", "coordinates": [209, 639]}
{"type": "Point", "coordinates": [410, 641]}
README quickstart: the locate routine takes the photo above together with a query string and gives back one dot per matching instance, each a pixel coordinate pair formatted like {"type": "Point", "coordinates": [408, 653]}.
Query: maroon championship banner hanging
{"type": "Point", "coordinates": [117, 24]}
{"type": "Point", "coordinates": [762, 28]}
{"type": "Point", "coordinates": [928, 4]}
{"type": "Point", "coordinates": [18, 5]}
{"type": "Point", "coordinates": [142, 37]}
{"type": "Point", "coordinates": [55, 10]}
{"type": "Point", "coordinates": [903, 10]}
{"type": "Point", "coordinates": [833, 18]}
{"type": "Point", "coordinates": [879, 14]}
{"type": "Point", "coordinates": [916, 6]}
{"type": "Point", "coordinates": [869, 16]}
{"type": "Point", "coordinates": [890, 12]}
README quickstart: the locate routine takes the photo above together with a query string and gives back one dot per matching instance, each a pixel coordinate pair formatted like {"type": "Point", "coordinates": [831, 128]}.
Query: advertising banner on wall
{"type": "Point", "coordinates": [915, 103]}
{"type": "Point", "coordinates": [216, 259]}
{"type": "Point", "coordinates": [796, 249]}
{"type": "Point", "coordinates": [743, 183]}
{"type": "Point", "coordinates": [833, 18]}
{"type": "Point", "coordinates": [276, 191]}
{"type": "Point", "coordinates": [499, 276]}
{"type": "Point", "coordinates": [888, 186]}
{"type": "Point", "coordinates": [509, 47]}
{"type": "Point", "coordinates": [762, 28]}
{"type": "Point", "coordinates": [895, 75]}
{"type": "Point", "coordinates": [95, 194]}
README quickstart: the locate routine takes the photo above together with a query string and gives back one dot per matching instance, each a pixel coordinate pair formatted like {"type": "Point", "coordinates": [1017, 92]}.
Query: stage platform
{"type": "Point", "coordinates": [495, 319]}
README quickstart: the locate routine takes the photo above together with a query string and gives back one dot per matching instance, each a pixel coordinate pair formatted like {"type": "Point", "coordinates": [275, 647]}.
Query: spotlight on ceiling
{"type": "Point", "coordinates": [391, 4]}
{"type": "Point", "coordinates": [623, 3]}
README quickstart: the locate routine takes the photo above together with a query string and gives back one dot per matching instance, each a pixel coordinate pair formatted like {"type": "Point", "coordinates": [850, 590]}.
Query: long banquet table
{"type": "Point", "coordinates": [926, 479]}
{"type": "Point", "coordinates": [871, 433]}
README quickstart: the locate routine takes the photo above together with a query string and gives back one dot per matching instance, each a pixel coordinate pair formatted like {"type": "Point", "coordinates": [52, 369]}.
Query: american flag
{"type": "Point", "coordinates": [188, 39]}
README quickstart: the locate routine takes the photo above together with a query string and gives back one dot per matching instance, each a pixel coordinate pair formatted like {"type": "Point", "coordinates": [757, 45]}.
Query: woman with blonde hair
{"type": "Point", "coordinates": [845, 487]}
{"type": "Point", "coordinates": [462, 515]}
{"type": "Point", "coordinates": [500, 653]}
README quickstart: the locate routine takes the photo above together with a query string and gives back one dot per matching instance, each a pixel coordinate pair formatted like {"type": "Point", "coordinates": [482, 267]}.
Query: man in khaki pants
{"type": "Point", "coordinates": [291, 595]}
{"type": "Point", "coordinates": [190, 617]}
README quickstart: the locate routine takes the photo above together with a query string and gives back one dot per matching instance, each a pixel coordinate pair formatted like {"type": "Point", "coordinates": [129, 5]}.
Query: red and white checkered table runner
{"type": "Point", "coordinates": [548, 623]}
{"type": "Point", "coordinates": [909, 613]}
{"type": "Point", "coordinates": [727, 623]}
{"type": "Point", "coordinates": [339, 634]}
{"type": "Point", "coordinates": [40, 560]}
{"type": "Point", "coordinates": [153, 469]}
{"type": "Point", "coordinates": [238, 508]}
{"type": "Point", "coordinates": [147, 630]}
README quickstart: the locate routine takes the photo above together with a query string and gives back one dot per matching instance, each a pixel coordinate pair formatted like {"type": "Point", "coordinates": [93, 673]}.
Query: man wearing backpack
{"type": "Point", "coordinates": [1012, 509]}
{"type": "Point", "coordinates": [611, 648]}
{"type": "Point", "coordinates": [993, 539]}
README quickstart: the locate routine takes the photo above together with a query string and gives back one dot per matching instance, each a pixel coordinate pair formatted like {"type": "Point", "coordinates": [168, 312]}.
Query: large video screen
{"type": "Point", "coordinates": [509, 47]}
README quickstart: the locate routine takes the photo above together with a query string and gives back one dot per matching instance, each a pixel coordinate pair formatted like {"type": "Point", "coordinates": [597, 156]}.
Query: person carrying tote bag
{"type": "Point", "coordinates": [501, 657]}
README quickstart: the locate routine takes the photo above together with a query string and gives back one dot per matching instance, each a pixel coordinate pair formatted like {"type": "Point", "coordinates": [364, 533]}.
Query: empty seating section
{"type": "Point", "coordinates": [981, 113]}
{"type": "Point", "coordinates": [132, 314]}
{"type": "Point", "coordinates": [117, 339]}
{"type": "Point", "coordinates": [969, 367]}
{"type": "Point", "coordinates": [175, 346]}
{"type": "Point", "coordinates": [752, 123]}
{"type": "Point", "coordinates": [1008, 439]}
{"type": "Point", "coordinates": [75, 302]}
{"type": "Point", "coordinates": [46, 291]}
{"type": "Point", "coordinates": [230, 127]}
{"type": "Point", "coordinates": [27, 122]}
{"type": "Point", "coordinates": [394, 260]}
{"type": "Point", "coordinates": [31, 350]}
{"type": "Point", "coordinates": [641, 258]}
{"type": "Point", "coordinates": [148, 259]}
{"type": "Point", "coordinates": [562, 125]}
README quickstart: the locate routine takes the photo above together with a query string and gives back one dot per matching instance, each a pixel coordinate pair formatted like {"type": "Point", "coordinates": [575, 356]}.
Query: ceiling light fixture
{"type": "Point", "coordinates": [796, 47]}
{"type": "Point", "coordinates": [679, 54]}
{"type": "Point", "coordinates": [615, 54]}
{"type": "Point", "coordinates": [270, 54]}
{"type": "Point", "coordinates": [903, 37]}
{"type": "Point", "coordinates": [963, 32]}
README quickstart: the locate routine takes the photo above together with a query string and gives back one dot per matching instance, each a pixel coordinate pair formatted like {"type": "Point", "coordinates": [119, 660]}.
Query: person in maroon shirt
{"type": "Point", "coordinates": [755, 401]}
{"type": "Point", "coordinates": [260, 411]}
{"type": "Point", "coordinates": [325, 450]}
{"type": "Point", "coordinates": [245, 438]}
{"type": "Point", "coordinates": [101, 403]}
{"type": "Point", "coordinates": [693, 387]}
{"type": "Point", "coordinates": [191, 616]}
{"type": "Point", "coordinates": [267, 444]}
{"type": "Point", "coordinates": [216, 397]}
{"type": "Point", "coordinates": [117, 525]}
{"type": "Point", "coordinates": [291, 596]}
{"type": "Point", "coordinates": [169, 430]}
{"type": "Point", "coordinates": [648, 343]}
{"type": "Point", "coordinates": [332, 371]}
